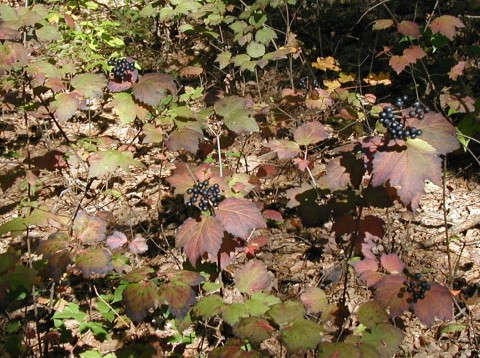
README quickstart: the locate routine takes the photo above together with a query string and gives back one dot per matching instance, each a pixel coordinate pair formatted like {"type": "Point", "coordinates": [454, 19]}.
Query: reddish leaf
{"type": "Point", "coordinates": [407, 165]}
{"type": "Point", "coordinates": [58, 263]}
{"type": "Point", "coordinates": [138, 245]}
{"type": "Point", "coordinates": [94, 262]}
{"type": "Point", "coordinates": [199, 237]}
{"type": "Point", "coordinates": [285, 149]}
{"type": "Point", "coordinates": [138, 274]}
{"type": "Point", "coordinates": [446, 25]}
{"type": "Point", "coordinates": [437, 131]}
{"type": "Point", "coordinates": [273, 215]}
{"type": "Point", "coordinates": [391, 293]}
{"type": "Point", "coordinates": [409, 28]}
{"type": "Point", "coordinates": [457, 103]}
{"type": "Point", "coordinates": [436, 304]}
{"type": "Point", "coordinates": [302, 164]}
{"type": "Point", "coordinates": [179, 296]}
{"type": "Point", "coordinates": [267, 171]}
{"type": "Point", "coordinates": [310, 133]}
{"type": "Point", "coordinates": [56, 242]}
{"type": "Point", "coordinates": [314, 299]}
{"type": "Point", "coordinates": [293, 193]}
{"type": "Point", "coordinates": [255, 245]}
{"type": "Point", "coordinates": [185, 138]}
{"type": "Point", "coordinates": [191, 278]}
{"type": "Point", "coordinates": [286, 312]}
{"type": "Point", "coordinates": [228, 251]}
{"type": "Point", "coordinates": [255, 329]}
{"type": "Point", "coordinates": [234, 348]}
{"type": "Point", "coordinates": [398, 63]}
{"type": "Point", "coordinates": [367, 269]}
{"type": "Point", "coordinates": [116, 240]}
{"type": "Point", "coordinates": [182, 178]}
{"type": "Point", "coordinates": [392, 263]}
{"type": "Point", "coordinates": [337, 176]}
{"type": "Point", "coordinates": [253, 277]}
{"type": "Point", "coordinates": [457, 70]}
{"type": "Point", "coordinates": [153, 88]}
{"type": "Point", "coordinates": [413, 54]}
{"type": "Point", "coordinates": [139, 298]}
{"type": "Point", "coordinates": [65, 105]}
{"type": "Point", "coordinates": [240, 216]}
{"type": "Point", "coordinates": [382, 24]}
{"type": "Point", "coordinates": [89, 229]}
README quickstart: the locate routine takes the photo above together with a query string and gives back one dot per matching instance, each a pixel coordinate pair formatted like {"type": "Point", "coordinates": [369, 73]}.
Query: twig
{"type": "Point", "coordinates": [472, 222]}
{"type": "Point", "coordinates": [108, 305]}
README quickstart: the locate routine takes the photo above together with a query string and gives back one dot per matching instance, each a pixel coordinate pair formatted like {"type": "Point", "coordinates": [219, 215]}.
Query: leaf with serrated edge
{"type": "Point", "coordinates": [285, 149]}
{"type": "Point", "coordinates": [93, 262]}
{"type": "Point", "coordinates": [138, 274]}
{"type": "Point", "coordinates": [65, 105]}
{"type": "Point", "coordinates": [314, 299]}
{"type": "Point", "coordinates": [179, 296]}
{"type": "Point", "coordinates": [407, 165]}
{"type": "Point", "coordinates": [255, 329]}
{"type": "Point", "coordinates": [385, 338]}
{"type": "Point", "coordinates": [382, 24]}
{"type": "Point", "coordinates": [152, 134]}
{"type": "Point", "coordinates": [310, 133]}
{"type": "Point", "coordinates": [102, 163]}
{"type": "Point", "coordinates": [301, 334]}
{"type": "Point", "coordinates": [371, 313]}
{"type": "Point", "coordinates": [391, 293]}
{"type": "Point", "coordinates": [89, 229]}
{"type": "Point", "coordinates": [185, 138]}
{"type": "Point", "coordinates": [409, 28]}
{"type": "Point", "coordinates": [446, 25]}
{"type": "Point", "coordinates": [124, 106]}
{"type": "Point", "coordinates": [398, 63]}
{"type": "Point", "coordinates": [286, 312]}
{"type": "Point", "coordinates": [234, 312]}
{"type": "Point", "coordinates": [392, 263]}
{"type": "Point", "coordinates": [116, 240]}
{"type": "Point", "coordinates": [182, 178]}
{"type": "Point", "coordinates": [260, 303]}
{"type": "Point", "coordinates": [199, 237]}
{"type": "Point", "coordinates": [152, 88]}
{"type": "Point", "coordinates": [209, 306]}
{"type": "Point", "coordinates": [139, 299]}
{"type": "Point", "coordinates": [240, 216]}
{"type": "Point", "coordinates": [436, 304]}
{"type": "Point", "coordinates": [253, 277]}
{"type": "Point", "coordinates": [90, 85]}
{"type": "Point", "coordinates": [138, 245]}
{"type": "Point", "coordinates": [234, 348]}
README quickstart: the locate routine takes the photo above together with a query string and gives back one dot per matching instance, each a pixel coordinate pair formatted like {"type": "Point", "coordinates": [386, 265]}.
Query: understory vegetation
{"type": "Point", "coordinates": [269, 178]}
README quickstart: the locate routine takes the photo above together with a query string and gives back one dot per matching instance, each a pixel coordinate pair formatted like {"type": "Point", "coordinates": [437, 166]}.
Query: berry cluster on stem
{"type": "Point", "coordinates": [417, 287]}
{"type": "Point", "coordinates": [204, 196]}
{"type": "Point", "coordinates": [393, 119]}
{"type": "Point", "coordinates": [121, 67]}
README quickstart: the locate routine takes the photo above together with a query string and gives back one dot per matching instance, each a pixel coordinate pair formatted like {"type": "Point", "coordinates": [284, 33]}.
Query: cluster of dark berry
{"type": "Point", "coordinates": [307, 83]}
{"type": "Point", "coordinates": [417, 287]}
{"type": "Point", "coordinates": [204, 196]}
{"type": "Point", "coordinates": [392, 119]}
{"type": "Point", "coordinates": [121, 67]}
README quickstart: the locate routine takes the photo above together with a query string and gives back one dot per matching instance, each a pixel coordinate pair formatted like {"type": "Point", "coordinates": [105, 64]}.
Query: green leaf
{"type": "Point", "coordinates": [286, 312]}
{"type": "Point", "coordinates": [48, 33]}
{"type": "Point", "coordinates": [139, 299]}
{"type": "Point", "coordinates": [71, 311]}
{"type": "Point", "coordinates": [265, 35]}
{"type": "Point", "coordinates": [234, 312]}
{"type": "Point", "coordinates": [7, 261]}
{"type": "Point", "coordinates": [385, 338]}
{"type": "Point", "coordinates": [16, 226]}
{"type": "Point", "coordinates": [124, 107]}
{"type": "Point", "coordinates": [255, 329]}
{"type": "Point", "coordinates": [255, 49]}
{"type": "Point", "coordinates": [314, 299]}
{"type": "Point", "coordinates": [253, 277]}
{"type": "Point", "coordinates": [301, 334]}
{"type": "Point", "coordinates": [102, 163]}
{"type": "Point", "coordinates": [65, 105]}
{"type": "Point", "coordinates": [371, 313]}
{"type": "Point", "coordinates": [138, 274]}
{"type": "Point", "coordinates": [209, 306]}
{"type": "Point", "coordinates": [90, 85]}
{"type": "Point", "coordinates": [148, 11]}
{"type": "Point", "coordinates": [223, 59]}
{"type": "Point", "coordinates": [236, 117]}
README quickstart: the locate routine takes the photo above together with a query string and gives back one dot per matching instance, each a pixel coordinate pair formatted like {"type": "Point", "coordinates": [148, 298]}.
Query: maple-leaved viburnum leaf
{"type": "Point", "coordinates": [240, 216]}
{"type": "Point", "coordinates": [310, 133]}
{"type": "Point", "coordinates": [253, 277]}
{"type": "Point", "coordinates": [139, 298]}
{"type": "Point", "coordinates": [236, 116]}
{"type": "Point", "coordinates": [446, 25]}
{"type": "Point", "coordinates": [108, 161]}
{"type": "Point", "coordinates": [285, 149]}
{"type": "Point", "coordinates": [200, 237]}
{"type": "Point", "coordinates": [153, 88]}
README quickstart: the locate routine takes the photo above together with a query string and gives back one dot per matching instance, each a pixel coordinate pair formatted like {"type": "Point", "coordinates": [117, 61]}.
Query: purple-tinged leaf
{"type": "Point", "coordinates": [240, 216]}
{"type": "Point", "coordinates": [199, 237]}
{"type": "Point", "coordinates": [310, 133]}
{"type": "Point", "coordinates": [191, 278]}
{"type": "Point", "coordinates": [152, 88]}
{"type": "Point", "coordinates": [65, 105]}
{"type": "Point", "coordinates": [314, 299]}
{"type": "Point", "coordinates": [273, 215]}
{"type": "Point", "coordinates": [234, 348]}
{"type": "Point", "coordinates": [409, 28]}
{"type": "Point", "coordinates": [57, 264]}
{"type": "Point", "coordinates": [116, 240]}
{"type": "Point", "coordinates": [56, 242]}
{"type": "Point", "coordinates": [253, 277]}
{"type": "Point", "coordinates": [286, 312]}
{"type": "Point", "coordinates": [367, 269]}
{"type": "Point", "coordinates": [300, 335]}
{"type": "Point", "coordinates": [293, 193]}
{"type": "Point", "coordinates": [255, 329]}
{"type": "Point", "coordinates": [179, 296]}
{"type": "Point", "coordinates": [138, 245]}
{"type": "Point", "coordinates": [436, 304]}
{"type": "Point", "coordinates": [185, 138]}
{"type": "Point", "coordinates": [89, 85]}
{"type": "Point", "coordinates": [446, 25]}
{"type": "Point", "coordinates": [391, 293]}
{"type": "Point", "coordinates": [285, 149]}
{"type": "Point", "coordinates": [392, 263]}
{"type": "Point", "coordinates": [89, 229]}
{"type": "Point", "coordinates": [139, 299]}
{"type": "Point", "coordinates": [107, 162]}
{"type": "Point", "coordinates": [94, 262]}
{"type": "Point", "coordinates": [138, 274]}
